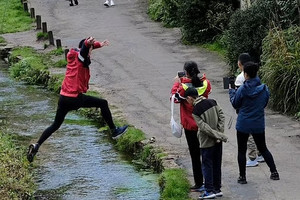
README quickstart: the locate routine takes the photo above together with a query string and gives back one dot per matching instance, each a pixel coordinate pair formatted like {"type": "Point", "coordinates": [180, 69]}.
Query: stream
{"type": "Point", "coordinates": [77, 161]}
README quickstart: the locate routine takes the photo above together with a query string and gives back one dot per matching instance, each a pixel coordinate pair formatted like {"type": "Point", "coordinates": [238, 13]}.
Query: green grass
{"type": "Point", "coordinates": [61, 63]}
{"type": "Point", "coordinates": [216, 47]}
{"type": "Point", "coordinates": [174, 185]}
{"type": "Point", "coordinates": [42, 36]}
{"type": "Point", "coordinates": [56, 52]}
{"type": "Point", "coordinates": [16, 178]}
{"type": "Point", "coordinates": [13, 17]}
{"type": "Point", "coordinates": [2, 40]}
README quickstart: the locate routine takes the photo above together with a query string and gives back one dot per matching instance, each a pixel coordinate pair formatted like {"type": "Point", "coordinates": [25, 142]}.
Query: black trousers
{"type": "Point", "coordinates": [260, 141]}
{"type": "Point", "coordinates": [193, 144]}
{"type": "Point", "coordinates": [66, 104]}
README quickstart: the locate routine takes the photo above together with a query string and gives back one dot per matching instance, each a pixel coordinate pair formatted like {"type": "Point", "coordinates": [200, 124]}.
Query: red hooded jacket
{"type": "Point", "coordinates": [186, 109]}
{"type": "Point", "coordinates": [77, 75]}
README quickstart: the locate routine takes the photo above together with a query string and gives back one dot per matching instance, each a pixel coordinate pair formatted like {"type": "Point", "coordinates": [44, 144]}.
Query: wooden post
{"type": "Point", "coordinates": [25, 5]}
{"type": "Point", "coordinates": [58, 43]}
{"type": "Point", "coordinates": [32, 13]}
{"type": "Point", "coordinates": [38, 22]}
{"type": "Point", "coordinates": [50, 36]}
{"type": "Point", "coordinates": [66, 53]}
{"type": "Point", "coordinates": [44, 25]}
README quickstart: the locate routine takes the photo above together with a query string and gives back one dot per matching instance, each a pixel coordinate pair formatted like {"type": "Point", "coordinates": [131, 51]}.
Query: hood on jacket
{"type": "Point", "coordinates": [253, 88]}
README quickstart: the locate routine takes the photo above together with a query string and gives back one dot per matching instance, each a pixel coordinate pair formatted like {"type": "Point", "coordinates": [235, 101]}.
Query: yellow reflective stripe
{"type": "Point", "coordinates": [200, 90]}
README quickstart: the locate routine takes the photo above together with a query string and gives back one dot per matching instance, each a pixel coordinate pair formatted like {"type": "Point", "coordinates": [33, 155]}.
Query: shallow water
{"type": "Point", "coordinates": [77, 161]}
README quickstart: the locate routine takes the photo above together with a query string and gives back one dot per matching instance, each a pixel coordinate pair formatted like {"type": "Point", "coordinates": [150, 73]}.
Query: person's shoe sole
{"type": "Point", "coordinates": [116, 137]}
{"type": "Point", "coordinates": [76, 2]}
{"type": "Point", "coordinates": [106, 4]}
{"type": "Point", "coordinates": [71, 4]}
{"type": "Point", "coordinates": [31, 153]}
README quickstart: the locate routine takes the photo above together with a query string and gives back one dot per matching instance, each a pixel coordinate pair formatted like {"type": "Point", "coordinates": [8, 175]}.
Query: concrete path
{"type": "Point", "coordinates": [136, 73]}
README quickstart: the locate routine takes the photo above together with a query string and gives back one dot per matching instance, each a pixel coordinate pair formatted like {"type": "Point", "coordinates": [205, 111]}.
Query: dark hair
{"type": "Point", "coordinates": [192, 92]}
{"type": "Point", "coordinates": [244, 57]}
{"type": "Point", "coordinates": [192, 69]}
{"type": "Point", "coordinates": [81, 43]}
{"type": "Point", "coordinates": [251, 69]}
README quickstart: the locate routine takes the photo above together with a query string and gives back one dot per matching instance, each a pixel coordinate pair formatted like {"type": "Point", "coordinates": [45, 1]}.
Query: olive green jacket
{"type": "Point", "coordinates": [210, 120]}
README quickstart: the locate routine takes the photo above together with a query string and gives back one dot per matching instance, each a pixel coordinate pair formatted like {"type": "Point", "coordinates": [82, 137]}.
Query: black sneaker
{"type": "Point", "coordinates": [197, 188]}
{"type": "Point", "coordinates": [76, 2]}
{"type": "Point", "coordinates": [274, 176]}
{"type": "Point", "coordinates": [33, 149]}
{"type": "Point", "coordinates": [242, 180]}
{"type": "Point", "coordinates": [118, 131]}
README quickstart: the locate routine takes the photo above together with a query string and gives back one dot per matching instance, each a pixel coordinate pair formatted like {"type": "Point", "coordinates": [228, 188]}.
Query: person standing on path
{"type": "Point", "coordinates": [75, 1]}
{"type": "Point", "coordinates": [72, 97]}
{"type": "Point", "coordinates": [254, 155]}
{"type": "Point", "coordinates": [181, 84]}
{"type": "Point", "coordinates": [251, 99]}
{"type": "Point", "coordinates": [108, 3]}
{"type": "Point", "coordinates": [210, 120]}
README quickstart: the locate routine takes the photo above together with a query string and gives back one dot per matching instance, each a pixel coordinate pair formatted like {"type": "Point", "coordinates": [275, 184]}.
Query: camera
{"type": "Point", "coordinates": [180, 74]}
{"type": "Point", "coordinates": [228, 81]}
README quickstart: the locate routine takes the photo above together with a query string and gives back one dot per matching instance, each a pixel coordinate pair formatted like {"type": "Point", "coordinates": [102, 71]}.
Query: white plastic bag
{"type": "Point", "coordinates": [175, 127]}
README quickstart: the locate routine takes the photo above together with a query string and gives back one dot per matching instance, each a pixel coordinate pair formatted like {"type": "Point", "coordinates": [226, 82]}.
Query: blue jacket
{"type": "Point", "coordinates": [251, 99]}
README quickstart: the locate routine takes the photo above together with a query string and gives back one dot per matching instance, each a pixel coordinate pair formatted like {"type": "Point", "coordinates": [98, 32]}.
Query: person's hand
{"type": "Point", "coordinates": [177, 79]}
{"type": "Point", "coordinates": [105, 43]}
{"type": "Point", "coordinates": [90, 40]}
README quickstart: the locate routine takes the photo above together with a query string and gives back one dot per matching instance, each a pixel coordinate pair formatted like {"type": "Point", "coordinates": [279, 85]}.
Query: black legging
{"type": "Point", "coordinates": [194, 148]}
{"type": "Point", "coordinates": [66, 104]}
{"type": "Point", "coordinates": [260, 141]}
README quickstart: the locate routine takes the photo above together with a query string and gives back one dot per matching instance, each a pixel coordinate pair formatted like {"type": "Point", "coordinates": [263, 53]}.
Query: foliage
{"type": "Point", "coordinates": [281, 68]}
{"type": "Point", "coordinates": [13, 17]}
{"type": "Point", "coordinates": [54, 83]}
{"type": "Point", "coordinates": [174, 184]}
{"type": "Point", "coordinates": [56, 52]}
{"type": "Point", "coordinates": [129, 141]}
{"type": "Point", "coordinates": [32, 68]}
{"type": "Point", "coordinates": [203, 20]}
{"type": "Point", "coordinates": [61, 63]}
{"type": "Point", "coordinates": [2, 40]}
{"type": "Point", "coordinates": [171, 15]}
{"type": "Point", "coordinates": [42, 36]}
{"type": "Point", "coordinates": [16, 179]}
{"type": "Point", "coordinates": [155, 10]}
{"type": "Point", "coordinates": [246, 32]}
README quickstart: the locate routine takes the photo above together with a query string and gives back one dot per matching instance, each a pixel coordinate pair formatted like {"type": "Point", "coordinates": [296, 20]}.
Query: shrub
{"type": "Point", "coordinates": [202, 20]}
{"type": "Point", "coordinates": [246, 32]}
{"type": "Point", "coordinates": [281, 68]}
{"type": "Point", "coordinates": [171, 15]}
{"type": "Point", "coordinates": [155, 10]}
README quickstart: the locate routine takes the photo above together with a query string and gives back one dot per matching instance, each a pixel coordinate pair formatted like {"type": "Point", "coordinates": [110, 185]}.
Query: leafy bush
{"type": "Point", "coordinates": [246, 32]}
{"type": "Point", "coordinates": [155, 10]}
{"type": "Point", "coordinates": [281, 68]}
{"type": "Point", "coordinates": [202, 20]}
{"type": "Point", "coordinates": [171, 15]}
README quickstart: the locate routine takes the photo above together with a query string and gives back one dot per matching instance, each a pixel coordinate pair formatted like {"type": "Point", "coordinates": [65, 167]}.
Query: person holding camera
{"type": "Point", "coordinates": [190, 77]}
{"type": "Point", "coordinates": [254, 155]}
{"type": "Point", "coordinates": [251, 98]}
{"type": "Point", "coordinates": [72, 97]}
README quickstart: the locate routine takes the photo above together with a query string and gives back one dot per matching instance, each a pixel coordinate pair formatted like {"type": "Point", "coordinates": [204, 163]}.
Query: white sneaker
{"type": "Point", "coordinates": [251, 163]}
{"type": "Point", "coordinates": [260, 159]}
{"type": "Point", "coordinates": [106, 3]}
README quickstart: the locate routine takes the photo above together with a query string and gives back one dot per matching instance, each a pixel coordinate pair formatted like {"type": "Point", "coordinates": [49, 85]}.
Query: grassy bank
{"type": "Point", "coordinates": [13, 18]}
{"type": "Point", "coordinates": [15, 174]}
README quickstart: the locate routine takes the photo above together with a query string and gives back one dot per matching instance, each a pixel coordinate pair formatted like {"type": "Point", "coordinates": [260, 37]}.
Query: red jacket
{"type": "Point", "coordinates": [77, 75]}
{"type": "Point", "coordinates": [186, 109]}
